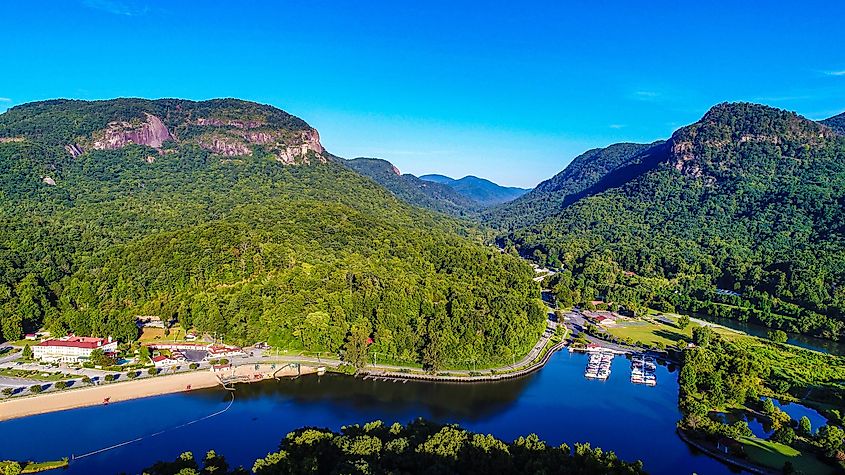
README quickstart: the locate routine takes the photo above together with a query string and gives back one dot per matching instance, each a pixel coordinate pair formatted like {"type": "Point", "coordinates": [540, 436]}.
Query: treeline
{"type": "Point", "coordinates": [250, 250]}
{"type": "Point", "coordinates": [418, 447]}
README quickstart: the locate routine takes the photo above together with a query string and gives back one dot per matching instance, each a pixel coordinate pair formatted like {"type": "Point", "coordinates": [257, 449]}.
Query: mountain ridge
{"type": "Point", "coordinates": [748, 198]}
{"type": "Point", "coordinates": [481, 190]}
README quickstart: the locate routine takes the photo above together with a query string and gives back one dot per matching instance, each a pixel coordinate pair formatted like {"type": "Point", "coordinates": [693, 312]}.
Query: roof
{"type": "Point", "coordinates": [159, 358]}
{"type": "Point", "coordinates": [76, 342]}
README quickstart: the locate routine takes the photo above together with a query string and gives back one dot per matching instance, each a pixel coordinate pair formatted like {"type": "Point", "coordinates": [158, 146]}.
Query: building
{"type": "Point", "coordinates": [162, 361]}
{"type": "Point", "coordinates": [71, 349]}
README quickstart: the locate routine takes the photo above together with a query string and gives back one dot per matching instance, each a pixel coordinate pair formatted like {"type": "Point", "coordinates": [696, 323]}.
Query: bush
{"type": "Point", "coordinates": [86, 380]}
{"type": "Point", "coordinates": [224, 361]}
{"type": "Point", "coordinates": [194, 365]}
{"type": "Point", "coordinates": [8, 391]}
{"type": "Point", "coordinates": [109, 378]}
{"type": "Point", "coordinates": [132, 374]}
{"type": "Point", "coordinates": [60, 385]}
{"type": "Point", "coordinates": [152, 371]}
{"type": "Point", "coordinates": [35, 388]}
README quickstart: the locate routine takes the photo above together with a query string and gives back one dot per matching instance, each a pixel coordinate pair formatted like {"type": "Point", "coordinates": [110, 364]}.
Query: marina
{"type": "Point", "coordinates": [642, 370]}
{"type": "Point", "coordinates": [598, 365]}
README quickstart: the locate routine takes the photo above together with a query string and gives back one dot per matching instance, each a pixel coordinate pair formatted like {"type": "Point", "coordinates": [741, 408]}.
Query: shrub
{"type": "Point", "coordinates": [35, 388]}
{"type": "Point", "coordinates": [152, 371]}
{"type": "Point", "coordinates": [194, 365]}
{"type": "Point", "coordinates": [60, 385]}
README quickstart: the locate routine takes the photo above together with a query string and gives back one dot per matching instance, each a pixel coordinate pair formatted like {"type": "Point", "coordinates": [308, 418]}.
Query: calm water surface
{"type": "Point", "coordinates": [557, 403]}
{"type": "Point", "coordinates": [802, 341]}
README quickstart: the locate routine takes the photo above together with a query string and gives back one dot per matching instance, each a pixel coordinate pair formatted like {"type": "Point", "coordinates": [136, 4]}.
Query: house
{"type": "Point", "coordinates": [162, 361]}
{"type": "Point", "coordinates": [72, 348]}
{"type": "Point", "coordinates": [31, 336]}
{"type": "Point", "coordinates": [605, 321]}
{"type": "Point", "coordinates": [223, 351]}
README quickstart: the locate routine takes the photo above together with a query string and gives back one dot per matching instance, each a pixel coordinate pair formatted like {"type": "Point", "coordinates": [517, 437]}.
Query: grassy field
{"type": "Point", "coordinates": [650, 333]}
{"type": "Point", "coordinates": [774, 455]}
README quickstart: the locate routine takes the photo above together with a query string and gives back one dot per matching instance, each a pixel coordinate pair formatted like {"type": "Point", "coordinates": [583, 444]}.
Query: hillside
{"type": "Point", "coordinates": [837, 123]}
{"type": "Point", "coordinates": [749, 198]}
{"type": "Point", "coordinates": [230, 217]}
{"type": "Point", "coordinates": [409, 188]}
{"type": "Point", "coordinates": [477, 189]}
{"type": "Point", "coordinates": [589, 173]}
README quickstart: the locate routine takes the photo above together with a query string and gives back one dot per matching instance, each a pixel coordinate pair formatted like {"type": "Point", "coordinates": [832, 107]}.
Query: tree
{"type": "Point", "coordinates": [26, 353]}
{"type": "Point", "coordinates": [356, 347]}
{"type": "Point", "coordinates": [100, 358]}
{"type": "Point", "coordinates": [144, 354]}
{"type": "Point", "coordinates": [35, 388]}
{"type": "Point", "coordinates": [10, 467]}
{"type": "Point", "coordinates": [830, 438]}
{"type": "Point", "coordinates": [785, 435]}
{"type": "Point", "coordinates": [778, 336]}
{"type": "Point", "coordinates": [701, 336]}
{"type": "Point", "coordinates": [683, 322]}
{"type": "Point", "coordinates": [804, 426]}
{"type": "Point", "coordinates": [60, 385]}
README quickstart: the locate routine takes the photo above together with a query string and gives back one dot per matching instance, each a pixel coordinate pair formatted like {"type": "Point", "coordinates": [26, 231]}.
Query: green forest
{"type": "Point", "coordinates": [418, 447]}
{"type": "Point", "coordinates": [249, 249]}
{"type": "Point", "coordinates": [749, 200]}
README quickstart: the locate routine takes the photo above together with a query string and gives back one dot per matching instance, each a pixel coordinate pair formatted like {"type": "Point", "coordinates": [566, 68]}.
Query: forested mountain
{"type": "Point", "coordinates": [589, 173]}
{"type": "Point", "coordinates": [426, 194]}
{"type": "Point", "coordinates": [837, 123]}
{"type": "Point", "coordinates": [477, 189]}
{"type": "Point", "coordinates": [749, 198]}
{"type": "Point", "coordinates": [230, 217]}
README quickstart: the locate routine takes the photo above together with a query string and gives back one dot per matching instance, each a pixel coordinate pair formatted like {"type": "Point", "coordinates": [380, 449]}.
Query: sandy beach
{"type": "Point", "coordinates": [95, 395]}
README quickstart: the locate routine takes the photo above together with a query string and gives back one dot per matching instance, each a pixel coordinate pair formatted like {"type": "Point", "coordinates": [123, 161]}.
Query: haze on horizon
{"type": "Point", "coordinates": [508, 94]}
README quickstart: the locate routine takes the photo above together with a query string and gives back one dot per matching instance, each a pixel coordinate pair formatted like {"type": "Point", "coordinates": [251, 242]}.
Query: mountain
{"type": "Point", "coordinates": [231, 218]}
{"type": "Point", "coordinates": [590, 172]}
{"type": "Point", "coordinates": [837, 123]}
{"type": "Point", "coordinates": [426, 194]}
{"type": "Point", "coordinates": [749, 198]}
{"type": "Point", "coordinates": [477, 189]}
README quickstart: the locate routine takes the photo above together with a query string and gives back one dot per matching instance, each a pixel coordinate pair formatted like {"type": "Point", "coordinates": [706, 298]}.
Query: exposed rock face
{"type": "Point", "coordinates": [248, 124]}
{"type": "Point", "coordinates": [49, 181]}
{"type": "Point", "coordinates": [11, 139]}
{"type": "Point", "coordinates": [226, 146]}
{"type": "Point", "coordinates": [74, 150]}
{"type": "Point", "coordinates": [394, 169]}
{"type": "Point", "coordinates": [152, 133]}
{"type": "Point", "coordinates": [287, 146]}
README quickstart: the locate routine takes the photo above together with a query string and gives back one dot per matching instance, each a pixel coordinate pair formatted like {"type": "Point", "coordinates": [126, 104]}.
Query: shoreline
{"type": "Point", "coordinates": [116, 392]}
{"type": "Point", "coordinates": [17, 408]}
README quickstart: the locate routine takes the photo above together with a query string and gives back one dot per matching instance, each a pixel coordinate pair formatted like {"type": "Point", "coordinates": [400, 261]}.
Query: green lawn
{"type": "Point", "coordinates": [774, 455]}
{"type": "Point", "coordinates": [651, 333]}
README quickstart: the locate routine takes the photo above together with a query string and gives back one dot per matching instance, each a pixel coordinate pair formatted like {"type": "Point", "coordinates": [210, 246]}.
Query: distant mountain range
{"type": "Point", "coordinates": [485, 192]}
{"type": "Point", "coordinates": [409, 188]}
{"type": "Point", "coordinates": [465, 197]}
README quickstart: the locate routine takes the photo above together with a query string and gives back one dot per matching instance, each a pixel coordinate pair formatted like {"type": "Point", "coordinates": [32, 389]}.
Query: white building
{"type": "Point", "coordinates": [71, 349]}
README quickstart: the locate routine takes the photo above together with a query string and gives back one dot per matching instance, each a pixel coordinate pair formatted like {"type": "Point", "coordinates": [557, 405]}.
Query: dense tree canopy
{"type": "Point", "coordinates": [251, 249]}
{"type": "Point", "coordinates": [419, 447]}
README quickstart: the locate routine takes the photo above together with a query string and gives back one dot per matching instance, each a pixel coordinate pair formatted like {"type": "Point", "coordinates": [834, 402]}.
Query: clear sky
{"type": "Point", "coordinates": [509, 91]}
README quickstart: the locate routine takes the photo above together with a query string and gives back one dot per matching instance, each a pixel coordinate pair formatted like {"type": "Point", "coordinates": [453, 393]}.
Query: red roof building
{"type": "Point", "coordinates": [72, 348]}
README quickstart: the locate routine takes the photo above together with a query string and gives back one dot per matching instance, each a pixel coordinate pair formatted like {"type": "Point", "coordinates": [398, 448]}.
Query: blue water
{"type": "Point", "coordinates": [797, 411]}
{"type": "Point", "coordinates": [557, 403]}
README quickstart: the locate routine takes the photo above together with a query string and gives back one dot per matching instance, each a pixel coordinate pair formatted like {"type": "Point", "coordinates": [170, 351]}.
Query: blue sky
{"type": "Point", "coordinates": [511, 92]}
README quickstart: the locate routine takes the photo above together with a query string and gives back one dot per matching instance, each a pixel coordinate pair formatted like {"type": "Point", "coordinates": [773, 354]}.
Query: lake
{"type": "Point", "coordinates": [557, 403]}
